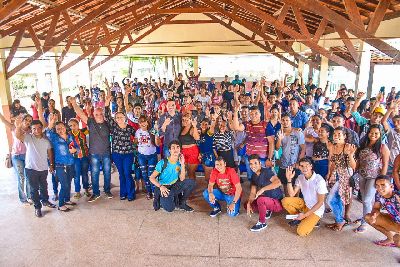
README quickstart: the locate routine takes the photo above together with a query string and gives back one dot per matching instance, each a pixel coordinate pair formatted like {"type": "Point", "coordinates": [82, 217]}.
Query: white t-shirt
{"type": "Point", "coordinates": [36, 152]}
{"type": "Point", "coordinates": [310, 189]}
{"type": "Point", "coordinates": [203, 99]}
{"type": "Point", "coordinates": [145, 147]}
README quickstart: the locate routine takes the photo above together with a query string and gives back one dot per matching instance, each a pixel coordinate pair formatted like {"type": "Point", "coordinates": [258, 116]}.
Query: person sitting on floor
{"type": "Point", "coordinates": [265, 193]}
{"type": "Point", "coordinates": [386, 198]}
{"type": "Point", "coordinates": [229, 189]}
{"type": "Point", "coordinates": [172, 188]}
{"type": "Point", "coordinates": [312, 207]}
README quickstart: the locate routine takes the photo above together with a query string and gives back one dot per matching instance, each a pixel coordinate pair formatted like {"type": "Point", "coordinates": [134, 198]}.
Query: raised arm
{"type": "Point", "coordinates": [108, 87]}
{"type": "Point", "coordinates": [79, 111]}
{"type": "Point", "coordinates": [235, 122]}
{"type": "Point", "coordinates": [8, 124]}
{"type": "Point", "coordinates": [292, 191]}
{"type": "Point", "coordinates": [40, 110]}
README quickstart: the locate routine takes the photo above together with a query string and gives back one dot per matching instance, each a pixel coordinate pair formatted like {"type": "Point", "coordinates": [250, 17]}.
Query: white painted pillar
{"type": "Point", "coordinates": [362, 76]}
{"type": "Point", "coordinates": [6, 100]}
{"type": "Point", "coordinates": [323, 72]}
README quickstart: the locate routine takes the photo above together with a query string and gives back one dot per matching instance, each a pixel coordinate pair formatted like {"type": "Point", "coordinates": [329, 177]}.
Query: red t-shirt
{"type": "Point", "coordinates": [225, 181]}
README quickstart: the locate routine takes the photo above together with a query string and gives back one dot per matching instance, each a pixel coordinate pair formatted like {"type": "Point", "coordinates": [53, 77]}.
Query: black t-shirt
{"type": "Point", "coordinates": [263, 180]}
{"type": "Point", "coordinates": [99, 137]}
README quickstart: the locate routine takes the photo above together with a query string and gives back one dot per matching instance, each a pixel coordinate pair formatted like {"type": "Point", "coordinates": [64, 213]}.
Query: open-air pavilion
{"type": "Point", "coordinates": [355, 34]}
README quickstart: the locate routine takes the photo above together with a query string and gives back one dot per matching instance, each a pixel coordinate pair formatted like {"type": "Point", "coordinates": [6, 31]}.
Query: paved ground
{"type": "Point", "coordinates": [120, 233]}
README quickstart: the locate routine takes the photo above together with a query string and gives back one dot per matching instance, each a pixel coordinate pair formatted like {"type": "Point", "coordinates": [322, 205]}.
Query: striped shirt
{"type": "Point", "coordinates": [223, 141]}
{"type": "Point", "coordinates": [256, 139]}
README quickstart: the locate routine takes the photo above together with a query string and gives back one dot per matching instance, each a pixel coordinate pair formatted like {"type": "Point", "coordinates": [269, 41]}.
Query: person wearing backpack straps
{"type": "Point", "coordinates": [172, 187]}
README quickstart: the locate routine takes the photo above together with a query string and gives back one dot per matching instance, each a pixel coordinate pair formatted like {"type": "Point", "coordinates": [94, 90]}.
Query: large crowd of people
{"type": "Point", "coordinates": [300, 150]}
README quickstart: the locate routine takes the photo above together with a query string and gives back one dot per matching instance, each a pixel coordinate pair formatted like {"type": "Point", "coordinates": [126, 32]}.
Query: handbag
{"type": "Point", "coordinates": [8, 161]}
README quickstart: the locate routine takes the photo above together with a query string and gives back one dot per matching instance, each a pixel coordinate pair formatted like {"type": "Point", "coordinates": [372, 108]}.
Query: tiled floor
{"type": "Point", "coordinates": [120, 233]}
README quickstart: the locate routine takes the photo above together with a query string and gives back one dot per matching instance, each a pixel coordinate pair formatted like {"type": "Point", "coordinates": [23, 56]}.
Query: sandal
{"type": "Point", "coordinates": [331, 225]}
{"type": "Point", "coordinates": [382, 243]}
{"type": "Point", "coordinates": [63, 209]}
{"type": "Point", "coordinates": [361, 229]}
{"type": "Point", "coordinates": [337, 227]}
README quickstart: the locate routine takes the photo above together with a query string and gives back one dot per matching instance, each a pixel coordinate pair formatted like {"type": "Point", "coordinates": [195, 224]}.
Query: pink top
{"type": "Point", "coordinates": [18, 147]}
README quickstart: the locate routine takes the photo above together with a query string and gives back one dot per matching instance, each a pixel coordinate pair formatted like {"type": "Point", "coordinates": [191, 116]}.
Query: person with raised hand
{"type": "Point", "coordinates": [99, 149]}
{"type": "Point", "coordinates": [310, 208]}
{"type": "Point", "coordinates": [122, 135]}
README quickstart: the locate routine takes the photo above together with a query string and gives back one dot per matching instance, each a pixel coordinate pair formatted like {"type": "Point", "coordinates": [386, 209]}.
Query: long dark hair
{"type": "Point", "coordinates": [376, 148]}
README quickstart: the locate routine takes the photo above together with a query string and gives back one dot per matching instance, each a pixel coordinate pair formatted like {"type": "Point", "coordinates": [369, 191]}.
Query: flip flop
{"type": "Point", "coordinates": [380, 243]}
{"type": "Point", "coordinates": [361, 229]}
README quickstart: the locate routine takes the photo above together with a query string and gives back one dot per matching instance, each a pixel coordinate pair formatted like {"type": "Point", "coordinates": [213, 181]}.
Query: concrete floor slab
{"type": "Point", "coordinates": [111, 232]}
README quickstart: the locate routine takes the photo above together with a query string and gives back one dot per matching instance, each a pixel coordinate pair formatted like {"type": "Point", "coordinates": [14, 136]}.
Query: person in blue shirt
{"type": "Point", "coordinates": [172, 188]}
{"type": "Point", "coordinates": [298, 117]}
{"type": "Point", "coordinates": [206, 145]}
{"type": "Point", "coordinates": [211, 85]}
{"type": "Point", "coordinates": [64, 147]}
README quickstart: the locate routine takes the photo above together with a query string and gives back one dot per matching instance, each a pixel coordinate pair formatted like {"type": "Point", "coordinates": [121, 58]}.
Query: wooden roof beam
{"type": "Point", "coordinates": [7, 10]}
{"type": "Point", "coordinates": [266, 47]}
{"type": "Point", "coordinates": [378, 16]}
{"type": "Point", "coordinates": [119, 50]}
{"type": "Point", "coordinates": [353, 12]}
{"type": "Point", "coordinates": [52, 42]}
{"type": "Point", "coordinates": [336, 19]}
{"type": "Point", "coordinates": [105, 41]}
{"type": "Point", "coordinates": [253, 28]}
{"type": "Point", "coordinates": [294, 34]}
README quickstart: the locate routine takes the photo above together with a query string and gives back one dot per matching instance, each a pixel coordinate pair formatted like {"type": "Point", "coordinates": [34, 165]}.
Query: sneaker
{"type": "Point", "coordinates": [215, 213]}
{"type": "Point", "coordinates": [38, 213]}
{"type": "Point", "coordinates": [77, 195]}
{"type": "Point", "coordinates": [48, 204]}
{"type": "Point", "coordinates": [294, 222]}
{"type": "Point", "coordinates": [30, 201]}
{"type": "Point", "coordinates": [186, 207]}
{"type": "Point", "coordinates": [87, 193]}
{"type": "Point", "coordinates": [258, 227]}
{"type": "Point", "coordinates": [93, 198]}
{"type": "Point", "coordinates": [122, 198]}
{"type": "Point", "coordinates": [268, 215]}
{"type": "Point", "coordinates": [55, 197]}
{"type": "Point", "coordinates": [109, 195]}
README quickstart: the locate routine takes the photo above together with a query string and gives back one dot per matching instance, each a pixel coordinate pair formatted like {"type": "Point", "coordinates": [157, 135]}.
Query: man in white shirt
{"type": "Point", "coordinates": [313, 187]}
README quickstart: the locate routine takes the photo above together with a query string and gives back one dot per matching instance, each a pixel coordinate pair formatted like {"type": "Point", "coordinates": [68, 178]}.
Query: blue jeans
{"type": "Point", "coordinates": [97, 160]}
{"type": "Point", "coordinates": [248, 170]}
{"type": "Point", "coordinates": [336, 203]}
{"type": "Point", "coordinates": [368, 190]}
{"type": "Point", "coordinates": [65, 174]}
{"type": "Point", "coordinates": [147, 165]}
{"type": "Point", "coordinates": [124, 162]}
{"type": "Point", "coordinates": [54, 183]}
{"type": "Point", "coordinates": [18, 162]}
{"type": "Point", "coordinates": [321, 167]}
{"type": "Point", "coordinates": [222, 197]}
{"type": "Point", "coordinates": [81, 169]}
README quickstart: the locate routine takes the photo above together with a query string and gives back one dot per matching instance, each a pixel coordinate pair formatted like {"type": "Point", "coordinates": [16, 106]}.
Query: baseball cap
{"type": "Point", "coordinates": [380, 109]}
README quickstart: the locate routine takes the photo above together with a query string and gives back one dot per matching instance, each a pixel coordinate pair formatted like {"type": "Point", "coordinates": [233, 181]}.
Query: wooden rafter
{"type": "Point", "coordinates": [294, 34]}
{"type": "Point", "coordinates": [137, 39]}
{"type": "Point", "coordinates": [378, 16]}
{"type": "Point", "coordinates": [350, 27]}
{"type": "Point", "coordinates": [347, 42]}
{"type": "Point", "coordinates": [267, 48]}
{"type": "Point", "coordinates": [353, 12]}
{"type": "Point", "coordinates": [185, 10]}
{"type": "Point", "coordinates": [105, 41]}
{"type": "Point", "coordinates": [52, 42]}
{"type": "Point", "coordinates": [254, 28]}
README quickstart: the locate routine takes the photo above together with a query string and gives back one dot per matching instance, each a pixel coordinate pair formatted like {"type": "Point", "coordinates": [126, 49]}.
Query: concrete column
{"type": "Point", "coordinates": [370, 79]}
{"type": "Point", "coordinates": [196, 65]}
{"type": "Point", "coordinates": [6, 100]}
{"type": "Point", "coordinates": [323, 72]}
{"type": "Point", "coordinates": [362, 76]}
{"type": "Point", "coordinates": [57, 92]}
